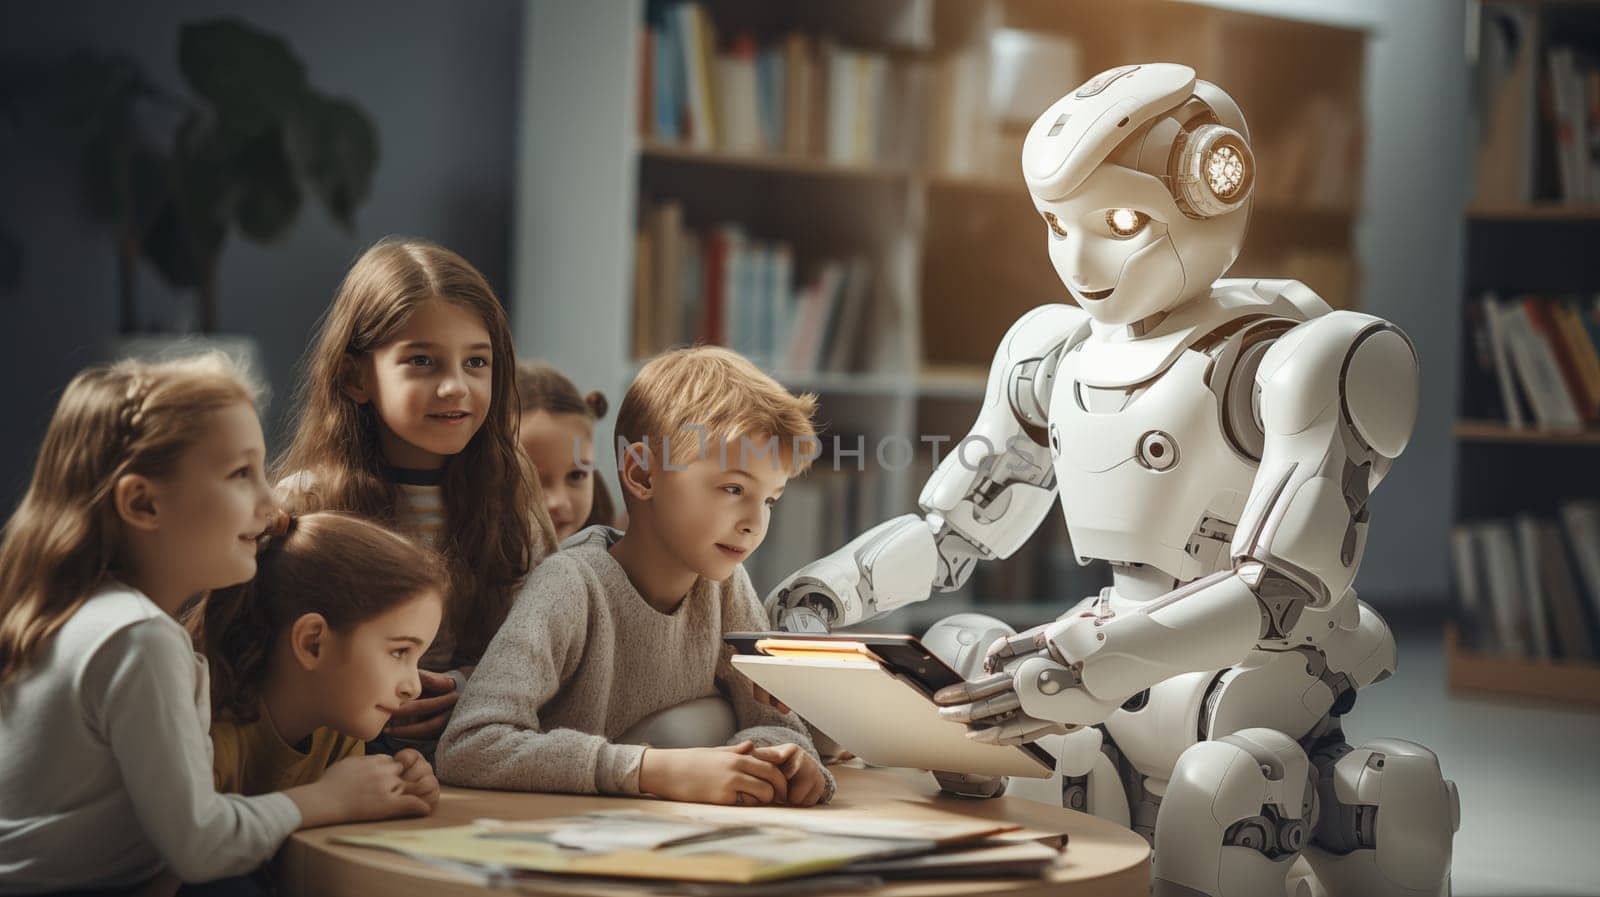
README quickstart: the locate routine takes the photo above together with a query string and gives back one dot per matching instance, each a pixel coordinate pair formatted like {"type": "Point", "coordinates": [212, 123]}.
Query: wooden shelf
{"type": "Point", "coordinates": [1495, 431]}
{"type": "Point", "coordinates": [1520, 677]}
{"type": "Point", "coordinates": [1535, 212]}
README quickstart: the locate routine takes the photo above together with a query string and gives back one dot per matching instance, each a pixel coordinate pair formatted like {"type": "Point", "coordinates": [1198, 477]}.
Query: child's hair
{"type": "Point", "coordinates": [721, 391]}
{"type": "Point", "coordinates": [543, 388]}
{"type": "Point", "coordinates": [494, 516]}
{"type": "Point", "coordinates": [131, 417]}
{"type": "Point", "coordinates": [343, 567]}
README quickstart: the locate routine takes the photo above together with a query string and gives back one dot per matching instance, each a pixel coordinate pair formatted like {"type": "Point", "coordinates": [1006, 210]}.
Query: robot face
{"type": "Point", "coordinates": [1126, 252]}
{"type": "Point", "coordinates": [1111, 244]}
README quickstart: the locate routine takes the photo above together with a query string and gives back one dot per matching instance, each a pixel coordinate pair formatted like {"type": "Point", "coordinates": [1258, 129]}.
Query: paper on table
{"type": "Point", "coordinates": [733, 854]}
{"type": "Point", "coordinates": [605, 831]}
{"type": "Point", "coordinates": [928, 824]}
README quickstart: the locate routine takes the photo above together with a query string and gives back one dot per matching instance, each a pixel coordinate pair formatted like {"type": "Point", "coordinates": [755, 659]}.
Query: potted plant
{"type": "Point", "coordinates": [173, 176]}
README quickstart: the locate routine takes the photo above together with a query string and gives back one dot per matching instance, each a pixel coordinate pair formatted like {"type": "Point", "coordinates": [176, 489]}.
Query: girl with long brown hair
{"type": "Point", "coordinates": [407, 415]}
{"type": "Point", "coordinates": [148, 490]}
{"type": "Point", "coordinates": [311, 657]}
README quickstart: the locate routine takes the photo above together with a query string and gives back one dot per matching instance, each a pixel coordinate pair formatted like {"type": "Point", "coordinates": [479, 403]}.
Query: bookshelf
{"type": "Point", "coordinates": [1527, 597]}
{"type": "Point", "coordinates": [938, 208]}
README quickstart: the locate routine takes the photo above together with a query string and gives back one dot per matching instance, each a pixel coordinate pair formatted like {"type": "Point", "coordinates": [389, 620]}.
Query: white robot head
{"type": "Point", "coordinates": [1143, 176]}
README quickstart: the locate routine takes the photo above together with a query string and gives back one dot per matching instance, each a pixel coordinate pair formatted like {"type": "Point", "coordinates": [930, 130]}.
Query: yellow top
{"type": "Point", "coordinates": [252, 758]}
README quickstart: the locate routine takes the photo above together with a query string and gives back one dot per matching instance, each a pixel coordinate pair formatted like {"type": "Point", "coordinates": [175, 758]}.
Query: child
{"type": "Point", "coordinates": [148, 490]}
{"type": "Point", "coordinates": [557, 433]}
{"type": "Point", "coordinates": [618, 627]}
{"type": "Point", "coordinates": [309, 659]}
{"type": "Point", "coordinates": [408, 416]}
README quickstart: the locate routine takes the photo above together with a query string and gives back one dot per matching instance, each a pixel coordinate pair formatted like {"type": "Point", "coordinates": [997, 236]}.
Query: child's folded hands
{"type": "Point", "coordinates": [723, 775]}
{"type": "Point", "coordinates": [807, 784]}
{"type": "Point", "coordinates": [417, 775]}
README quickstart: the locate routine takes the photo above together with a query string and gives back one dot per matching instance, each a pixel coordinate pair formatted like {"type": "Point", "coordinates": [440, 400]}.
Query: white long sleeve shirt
{"type": "Point", "coordinates": [105, 760]}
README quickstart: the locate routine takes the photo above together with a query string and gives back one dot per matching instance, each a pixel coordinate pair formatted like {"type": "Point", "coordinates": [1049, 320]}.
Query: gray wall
{"type": "Point", "coordinates": [439, 80]}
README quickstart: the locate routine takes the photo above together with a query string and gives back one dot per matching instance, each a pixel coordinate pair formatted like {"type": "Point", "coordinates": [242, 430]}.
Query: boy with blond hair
{"type": "Point", "coordinates": [618, 627]}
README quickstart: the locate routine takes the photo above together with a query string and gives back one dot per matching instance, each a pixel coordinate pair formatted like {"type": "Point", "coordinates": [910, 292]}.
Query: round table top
{"type": "Point", "coordinates": [1100, 857]}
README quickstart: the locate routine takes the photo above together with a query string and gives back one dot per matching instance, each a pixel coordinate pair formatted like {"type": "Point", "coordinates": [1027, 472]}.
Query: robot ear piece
{"type": "Point", "coordinates": [1212, 171]}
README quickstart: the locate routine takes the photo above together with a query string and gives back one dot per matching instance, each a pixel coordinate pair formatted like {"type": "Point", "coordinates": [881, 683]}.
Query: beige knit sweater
{"type": "Point", "coordinates": [581, 658]}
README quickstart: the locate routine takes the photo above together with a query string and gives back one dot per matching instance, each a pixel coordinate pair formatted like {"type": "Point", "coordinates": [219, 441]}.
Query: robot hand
{"type": "Point", "coordinates": [1031, 690]}
{"type": "Point", "coordinates": [812, 597]}
{"type": "Point", "coordinates": [889, 566]}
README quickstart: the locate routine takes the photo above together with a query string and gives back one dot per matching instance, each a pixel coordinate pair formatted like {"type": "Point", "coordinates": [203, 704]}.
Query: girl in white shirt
{"type": "Point", "coordinates": [148, 491]}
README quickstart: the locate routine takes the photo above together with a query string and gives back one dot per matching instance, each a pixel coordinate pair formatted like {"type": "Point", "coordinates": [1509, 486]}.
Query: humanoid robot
{"type": "Point", "coordinates": [1215, 441]}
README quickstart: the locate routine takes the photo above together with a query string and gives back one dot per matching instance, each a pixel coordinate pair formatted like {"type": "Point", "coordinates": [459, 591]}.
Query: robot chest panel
{"type": "Point", "coordinates": [1146, 475]}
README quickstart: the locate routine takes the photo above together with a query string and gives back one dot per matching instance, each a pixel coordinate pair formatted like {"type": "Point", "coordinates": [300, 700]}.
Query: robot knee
{"type": "Point", "coordinates": [1390, 796]}
{"type": "Point", "coordinates": [1254, 776]}
{"type": "Point", "coordinates": [962, 640]}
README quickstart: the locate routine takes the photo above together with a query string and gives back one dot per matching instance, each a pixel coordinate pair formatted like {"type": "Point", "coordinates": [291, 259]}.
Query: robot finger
{"type": "Point", "coordinates": [1005, 649]}
{"type": "Point", "coordinates": [976, 689]}
{"type": "Point", "coordinates": [982, 709]}
{"type": "Point", "coordinates": [1018, 730]}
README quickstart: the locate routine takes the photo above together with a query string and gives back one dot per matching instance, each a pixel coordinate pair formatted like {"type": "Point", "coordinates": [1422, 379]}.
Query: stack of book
{"type": "Point", "coordinates": [1530, 586]}
{"type": "Point", "coordinates": [799, 95]}
{"type": "Point", "coordinates": [1533, 359]}
{"type": "Point", "coordinates": [722, 286]}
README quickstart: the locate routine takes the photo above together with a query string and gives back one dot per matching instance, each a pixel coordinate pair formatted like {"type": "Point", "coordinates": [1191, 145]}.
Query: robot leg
{"type": "Point", "coordinates": [1388, 817]}
{"type": "Point", "coordinates": [1085, 779]}
{"type": "Point", "coordinates": [1235, 816]}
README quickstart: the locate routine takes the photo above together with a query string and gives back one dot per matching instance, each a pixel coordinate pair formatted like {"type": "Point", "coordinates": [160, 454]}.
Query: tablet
{"type": "Point", "coordinates": [887, 716]}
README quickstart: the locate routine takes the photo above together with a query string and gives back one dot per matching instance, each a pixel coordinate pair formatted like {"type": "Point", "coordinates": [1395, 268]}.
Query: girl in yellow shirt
{"type": "Point", "coordinates": [312, 657]}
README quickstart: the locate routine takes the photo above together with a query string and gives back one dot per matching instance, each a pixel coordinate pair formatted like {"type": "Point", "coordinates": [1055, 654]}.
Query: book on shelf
{"type": "Point", "coordinates": [1529, 586]}
{"type": "Point", "coordinates": [1487, 389]}
{"type": "Point", "coordinates": [1540, 353]}
{"type": "Point", "coordinates": [724, 286]}
{"type": "Point", "coordinates": [797, 94]}
{"type": "Point", "coordinates": [1536, 112]}
{"type": "Point", "coordinates": [1581, 522]}
{"type": "Point", "coordinates": [1506, 81]}
{"type": "Point", "coordinates": [1570, 102]}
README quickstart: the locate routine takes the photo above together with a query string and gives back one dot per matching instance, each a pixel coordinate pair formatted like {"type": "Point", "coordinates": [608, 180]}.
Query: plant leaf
{"type": "Point", "coordinates": [269, 195]}
{"type": "Point", "coordinates": [252, 77]}
{"type": "Point", "coordinates": [335, 146]}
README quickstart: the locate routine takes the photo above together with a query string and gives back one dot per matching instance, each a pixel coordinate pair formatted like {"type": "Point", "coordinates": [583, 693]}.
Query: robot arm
{"type": "Point", "coordinates": [983, 501]}
{"type": "Point", "coordinates": [1338, 397]}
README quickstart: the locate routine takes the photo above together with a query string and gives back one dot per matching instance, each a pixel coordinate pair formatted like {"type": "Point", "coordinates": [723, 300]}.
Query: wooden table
{"type": "Point", "coordinates": [1101, 859]}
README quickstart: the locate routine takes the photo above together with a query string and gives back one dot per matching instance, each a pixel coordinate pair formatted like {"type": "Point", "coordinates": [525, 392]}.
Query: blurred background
{"type": "Point", "coordinates": [832, 188]}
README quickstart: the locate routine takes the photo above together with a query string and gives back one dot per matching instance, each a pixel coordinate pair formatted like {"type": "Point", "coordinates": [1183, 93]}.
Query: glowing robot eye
{"type": "Point", "coordinates": [1055, 224]}
{"type": "Point", "coordinates": [1224, 171]}
{"type": "Point", "coordinates": [1126, 222]}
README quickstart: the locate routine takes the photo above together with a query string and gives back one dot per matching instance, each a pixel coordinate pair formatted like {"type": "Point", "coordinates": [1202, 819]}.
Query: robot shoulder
{"type": "Point", "coordinates": [1025, 365]}
{"type": "Point", "coordinates": [1364, 363]}
{"type": "Point", "coordinates": [1276, 297]}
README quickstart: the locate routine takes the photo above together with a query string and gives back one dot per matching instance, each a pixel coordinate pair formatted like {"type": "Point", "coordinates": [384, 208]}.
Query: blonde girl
{"type": "Point", "coordinates": [557, 433]}
{"type": "Point", "coordinates": [148, 490]}
{"type": "Point", "coordinates": [311, 658]}
{"type": "Point", "coordinates": [407, 415]}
